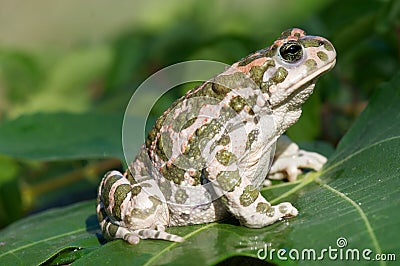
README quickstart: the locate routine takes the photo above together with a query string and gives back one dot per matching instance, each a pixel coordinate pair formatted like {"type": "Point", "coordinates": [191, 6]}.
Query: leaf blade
{"type": "Point", "coordinates": [356, 196]}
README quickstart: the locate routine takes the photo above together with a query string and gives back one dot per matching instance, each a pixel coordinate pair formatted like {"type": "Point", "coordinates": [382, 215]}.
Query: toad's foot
{"type": "Point", "coordinates": [290, 161]}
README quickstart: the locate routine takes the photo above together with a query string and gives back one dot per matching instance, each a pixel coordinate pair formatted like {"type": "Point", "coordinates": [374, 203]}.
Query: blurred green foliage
{"type": "Point", "coordinates": [90, 58]}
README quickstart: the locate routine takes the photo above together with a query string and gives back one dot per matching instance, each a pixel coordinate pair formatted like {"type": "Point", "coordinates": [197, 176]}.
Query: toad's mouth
{"type": "Point", "coordinates": [304, 84]}
{"type": "Point", "coordinates": [312, 77]}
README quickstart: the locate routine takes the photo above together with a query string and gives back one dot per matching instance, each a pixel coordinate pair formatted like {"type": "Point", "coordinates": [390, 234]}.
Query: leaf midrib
{"type": "Point", "coordinates": [362, 214]}
{"type": "Point", "coordinates": [197, 231]}
{"type": "Point", "coordinates": [356, 153]}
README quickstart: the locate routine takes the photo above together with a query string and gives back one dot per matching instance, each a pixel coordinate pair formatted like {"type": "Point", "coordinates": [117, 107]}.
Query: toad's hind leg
{"type": "Point", "coordinates": [125, 211]}
{"type": "Point", "coordinates": [112, 230]}
{"type": "Point", "coordinates": [110, 223]}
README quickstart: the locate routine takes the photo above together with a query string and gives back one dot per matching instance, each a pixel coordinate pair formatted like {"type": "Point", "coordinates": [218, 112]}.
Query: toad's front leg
{"type": "Point", "coordinates": [246, 203]}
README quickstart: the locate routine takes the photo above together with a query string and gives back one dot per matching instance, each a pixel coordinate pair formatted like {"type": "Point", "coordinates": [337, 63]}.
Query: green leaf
{"type": "Point", "coordinates": [62, 136]}
{"type": "Point", "coordinates": [354, 198]}
{"type": "Point", "coordinates": [35, 239]}
{"type": "Point", "coordinates": [68, 84]}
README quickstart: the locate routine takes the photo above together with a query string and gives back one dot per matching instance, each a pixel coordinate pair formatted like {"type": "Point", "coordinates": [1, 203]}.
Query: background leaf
{"type": "Point", "coordinates": [356, 197]}
{"type": "Point", "coordinates": [63, 136]}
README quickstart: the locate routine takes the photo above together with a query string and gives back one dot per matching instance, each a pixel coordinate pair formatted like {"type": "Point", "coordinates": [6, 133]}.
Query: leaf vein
{"type": "Point", "coordinates": [362, 214]}
{"type": "Point", "coordinates": [154, 258]}
{"type": "Point", "coordinates": [358, 152]}
{"type": "Point", "coordinates": [12, 251]}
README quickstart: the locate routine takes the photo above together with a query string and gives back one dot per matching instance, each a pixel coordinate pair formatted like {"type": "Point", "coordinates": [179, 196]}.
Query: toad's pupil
{"type": "Point", "coordinates": [293, 48]}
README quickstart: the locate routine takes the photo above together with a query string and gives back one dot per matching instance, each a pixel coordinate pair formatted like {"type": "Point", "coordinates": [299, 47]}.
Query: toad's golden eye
{"type": "Point", "coordinates": [291, 52]}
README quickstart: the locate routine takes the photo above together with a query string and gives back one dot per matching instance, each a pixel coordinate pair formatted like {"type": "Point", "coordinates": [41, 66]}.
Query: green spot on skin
{"type": "Point", "coordinates": [210, 89]}
{"type": "Point", "coordinates": [220, 90]}
{"type": "Point", "coordinates": [224, 140]}
{"type": "Point", "coordinates": [183, 121]}
{"type": "Point", "coordinates": [311, 65]}
{"type": "Point", "coordinates": [112, 230]}
{"type": "Point", "coordinates": [181, 196]}
{"type": "Point", "coordinates": [270, 212]}
{"type": "Point", "coordinates": [136, 190]}
{"type": "Point", "coordinates": [225, 157]}
{"type": "Point", "coordinates": [164, 146]}
{"type": "Point", "coordinates": [251, 138]}
{"type": "Point", "coordinates": [237, 103]}
{"type": "Point", "coordinates": [196, 176]}
{"type": "Point", "coordinates": [120, 195]}
{"type": "Point", "coordinates": [212, 129]}
{"type": "Point", "coordinates": [264, 86]}
{"type": "Point", "coordinates": [165, 188]}
{"type": "Point", "coordinates": [192, 151]}
{"type": "Point", "coordinates": [262, 207]}
{"type": "Point", "coordinates": [234, 81]}
{"type": "Point", "coordinates": [257, 72]}
{"type": "Point", "coordinates": [283, 209]}
{"type": "Point", "coordinates": [249, 195]}
{"type": "Point", "coordinates": [151, 137]}
{"type": "Point", "coordinates": [269, 63]}
{"type": "Point", "coordinates": [130, 175]}
{"type": "Point", "coordinates": [197, 143]}
{"type": "Point", "coordinates": [160, 122]}
{"type": "Point", "coordinates": [189, 123]}
{"type": "Point", "coordinates": [201, 138]}
{"type": "Point", "coordinates": [280, 75]}
{"type": "Point", "coordinates": [105, 191]}
{"type": "Point", "coordinates": [144, 172]}
{"type": "Point", "coordinates": [228, 180]}
{"type": "Point", "coordinates": [226, 114]}
{"type": "Point", "coordinates": [270, 52]}
{"type": "Point", "coordinates": [142, 156]}
{"type": "Point", "coordinates": [323, 56]}
{"type": "Point", "coordinates": [101, 215]}
{"type": "Point", "coordinates": [173, 173]}
{"type": "Point", "coordinates": [311, 43]}
{"type": "Point", "coordinates": [328, 46]}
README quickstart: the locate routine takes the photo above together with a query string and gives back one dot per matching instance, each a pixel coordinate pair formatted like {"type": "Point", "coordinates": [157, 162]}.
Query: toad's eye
{"type": "Point", "coordinates": [291, 52]}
